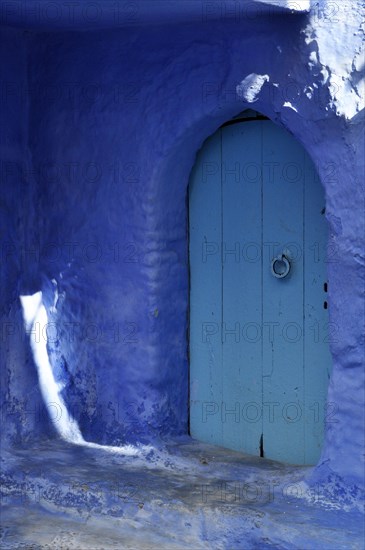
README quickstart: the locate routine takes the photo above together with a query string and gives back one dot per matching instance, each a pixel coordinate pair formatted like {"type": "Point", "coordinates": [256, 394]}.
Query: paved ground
{"type": "Point", "coordinates": [184, 495]}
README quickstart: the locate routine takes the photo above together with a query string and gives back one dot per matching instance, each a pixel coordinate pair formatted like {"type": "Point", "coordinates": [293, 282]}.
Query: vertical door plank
{"type": "Point", "coordinates": [283, 361]}
{"type": "Point", "coordinates": [205, 226]}
{"type": "Point", "coordinates": [242, 287]}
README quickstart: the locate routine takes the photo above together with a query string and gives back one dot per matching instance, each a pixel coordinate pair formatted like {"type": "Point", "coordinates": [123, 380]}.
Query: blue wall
{"type": "Point", "coordinates": [114, 121]}
{"type": "Point", "coordinates": [22, 410]}
{"type": "Point", "coordinates": [109, 184]}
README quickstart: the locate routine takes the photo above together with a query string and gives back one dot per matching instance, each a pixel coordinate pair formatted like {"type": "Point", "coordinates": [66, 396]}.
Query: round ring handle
{"type": "Point", "coordinates": [280, 266]}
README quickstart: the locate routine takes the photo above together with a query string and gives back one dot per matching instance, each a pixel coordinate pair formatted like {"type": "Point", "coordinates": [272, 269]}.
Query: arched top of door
{"type": "Point", "coordinates": [245, 116]}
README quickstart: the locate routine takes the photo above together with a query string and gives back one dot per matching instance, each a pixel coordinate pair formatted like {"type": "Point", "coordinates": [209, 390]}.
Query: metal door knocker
{"type": "Point", "coordinates": [280, 266]}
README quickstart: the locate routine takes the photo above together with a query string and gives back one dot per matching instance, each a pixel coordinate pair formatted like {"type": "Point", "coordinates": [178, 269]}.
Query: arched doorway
{"type": "Point", "coordinates": [259, 331]}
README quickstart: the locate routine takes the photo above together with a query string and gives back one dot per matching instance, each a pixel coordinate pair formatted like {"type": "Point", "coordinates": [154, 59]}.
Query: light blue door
{"type": "Point", "coordinates": [259, 331]}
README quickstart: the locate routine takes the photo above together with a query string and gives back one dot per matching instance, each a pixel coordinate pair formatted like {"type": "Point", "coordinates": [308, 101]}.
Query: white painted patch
{"type": "Point", "coordinates": [250, 87]}
{"type": "Point", "coordinates": [36, 323]}
{"type": "Point", "coordinates": [340, 44]}
{"type": "Point", "coordinates": [290, 106]}
{"type": "Point", "coordinates": [308, 91]}
{"type": "Point", "coordinates": [292, 5]}
{"type": "Point", "coordinates": [54, 307]}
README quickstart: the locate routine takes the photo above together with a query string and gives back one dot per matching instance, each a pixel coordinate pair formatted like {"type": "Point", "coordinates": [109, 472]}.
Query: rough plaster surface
{"type": "Point", "coordinates": [183, 495]}
{"type": "Point", "coordinates": [101, 133]}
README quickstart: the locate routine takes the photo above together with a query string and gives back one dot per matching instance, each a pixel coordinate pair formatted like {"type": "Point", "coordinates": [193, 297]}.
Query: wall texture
{"type": "Point", "coordinates": [113, 121]}
{"type": "Point", "coordinates": [22, 409]}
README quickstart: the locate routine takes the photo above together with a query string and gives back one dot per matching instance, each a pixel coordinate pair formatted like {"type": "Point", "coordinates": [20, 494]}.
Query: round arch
{"type": "Point", "coordinates": [170, 179]}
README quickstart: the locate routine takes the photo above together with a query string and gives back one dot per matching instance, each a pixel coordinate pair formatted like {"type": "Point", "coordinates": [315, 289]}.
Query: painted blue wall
{"type": "Point", "coordinates": [115, 119]}
{"type": "Point", "coordinates": [99, 149]}
{"type": "Point", "coordinates": [22, 409]}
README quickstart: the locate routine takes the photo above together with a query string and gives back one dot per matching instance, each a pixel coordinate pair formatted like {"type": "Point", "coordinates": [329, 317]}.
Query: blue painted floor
{"type": "Point", "coordinates": [184, 494]}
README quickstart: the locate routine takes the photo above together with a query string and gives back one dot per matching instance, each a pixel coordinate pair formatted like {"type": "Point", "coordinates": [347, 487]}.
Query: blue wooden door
{"type": "Point", "coordinates": [259, 352]}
